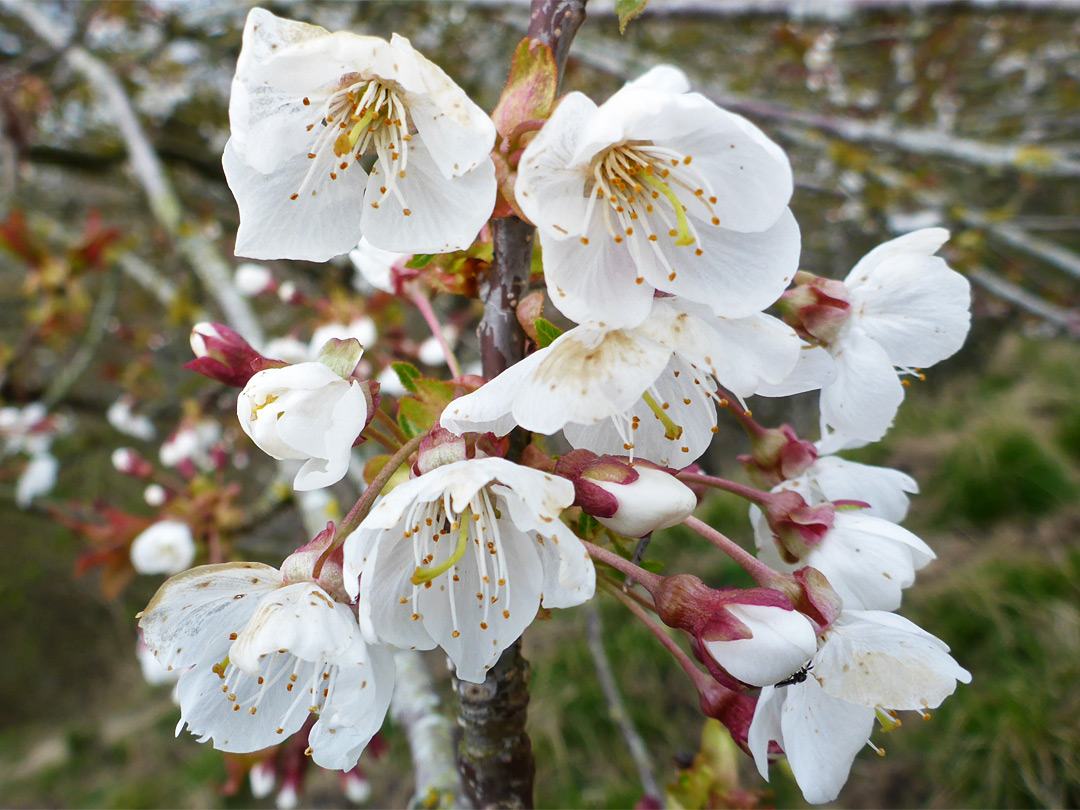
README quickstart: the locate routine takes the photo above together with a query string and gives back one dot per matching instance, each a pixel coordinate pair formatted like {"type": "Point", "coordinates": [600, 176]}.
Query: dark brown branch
{"type": "Point", "coordinates": [495, 760]}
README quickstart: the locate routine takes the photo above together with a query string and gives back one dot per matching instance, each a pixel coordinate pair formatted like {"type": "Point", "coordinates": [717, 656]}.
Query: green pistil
{"type": "Point", "coordinates": [422, 575]}
{"type": "Point", "coordinates": [685, 237]}
{"type": "Point", "coordinates": [346, 142]}
{"type": "Point", "coordinates": [671, 430]}
{"type": "Point", "coordinates": [887, 721]}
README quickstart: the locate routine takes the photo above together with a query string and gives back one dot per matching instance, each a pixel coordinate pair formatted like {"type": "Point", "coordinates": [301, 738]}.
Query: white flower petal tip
{"type": "Point", "coordinates": [166, 547]}
{"type": "Point", "coordinates": [658, 189]}
{"type": "Point", "coordinates": [305, 412]}
{"type": "Point", "coordinates": [646, 392]}
{"type": "Point", "coordinates": [462, 557]}
{"type": "Point", "coordinates": [308, 105]}
{"type": "Point", "coordinates": [259, 656]}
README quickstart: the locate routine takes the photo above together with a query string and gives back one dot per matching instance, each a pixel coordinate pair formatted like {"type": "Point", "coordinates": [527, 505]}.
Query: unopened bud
{"type": "Point", "coordinates": [300, 565]}
{"type": "Point", "coordinates": [223, 355]}
{"type": "Point", "coordinates": [797, 527]}
{"type": "Point", "coordinates": [155, 495]}
{"type": "Point", "coordinates": [778, 455]}
{"type": "Point", "coordinates": [781, 640]}
{"type": "Point", "coordinates": [127, 461]}
{"type": "Point", "coordinates": [817, 308]}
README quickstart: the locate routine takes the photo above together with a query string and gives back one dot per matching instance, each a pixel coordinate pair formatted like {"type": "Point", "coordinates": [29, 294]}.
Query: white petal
{"type": "Point", "coordinates": [445, 214]}
{"type": "Point", "coordinates": [194, 612]}
{"type": "Point", "coordinates": [596, 283]}
{"type": "Point", "coordinates": [355, 710]}
{"type": "Point", "coordinates": [588, 375]}
{"type": "Point", "coordinates": [346, 421]}
{"type": "Point", "coordinates": [551, 189]}
{"type": "Point", "coordinates": [782, 642]}
{"type": "Point", "coordinates": [655, 500]}
{"type": "Point", "coordinates": [488, 409]}
{"type": "Point", "coordinates": [822, 735]}
{"type": "Point", "coordinates": [315, 227]}
{"type": "Point", "coordinates": [457, 132]}
{"type": "Point", "coordinates": [866, 394]}
{"type": "Point", "coordinates": [737, 274]}
{"type": "Point", "coordinates": [765, 727]}
{"type": "Point", "coordinates": [484, 628]}
{"type": "Point", "coordinates": [663, 78]}
{"type": "Point", "coordinates": [385, 583]}
{"type": "Point", "coordinates": [301, 618]}
{"type": "Point", "coordinates": [883, 488]}
{"type": "Point", "coordinates": [879, 659]}
{"type": "Point", "coordinates": [915, 307]}
{"type": "Point", "coordinates": [569, 575]}
{"type": "Point", "coordinates": [741, 353]}
{"type": "Point", "coordinates": [748, 173]}
{"type": "Point", "coordinates": [814, 370]}
{"type": "Point", "coordinates": [38, 478]}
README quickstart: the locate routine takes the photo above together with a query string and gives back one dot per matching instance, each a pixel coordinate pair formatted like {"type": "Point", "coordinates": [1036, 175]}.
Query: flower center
{"type": "Point", "coordinates": [649, 190]}
{"type": "Point", "coordinates": [477, 529]}
{"type": "Point", "coordinates": [362, 117]}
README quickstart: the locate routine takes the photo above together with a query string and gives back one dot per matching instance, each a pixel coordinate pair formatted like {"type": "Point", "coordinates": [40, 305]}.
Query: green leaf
{"type": "Point", "coordinates": [628, 10]}
{"type": "Point", "coordinates": [419, 261]}
{"type": "Point", "coordinates": [409, 428]}
{"type": "Point", "coordinates": [408, 374]}
{"type": "Point", "coordinates": [546, 332]}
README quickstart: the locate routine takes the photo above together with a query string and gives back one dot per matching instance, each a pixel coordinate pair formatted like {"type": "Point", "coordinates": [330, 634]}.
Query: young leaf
{"type": "Point", "coordinates": [530, 89]}
{"type": "Point", "coordinates": [419, 261]}
{"type": "Point", "coordinates": [408, 374]}
{"type": "Point", "coordinates": [628, 10]}
{"type": "Point", "coordinates": [546, 332]}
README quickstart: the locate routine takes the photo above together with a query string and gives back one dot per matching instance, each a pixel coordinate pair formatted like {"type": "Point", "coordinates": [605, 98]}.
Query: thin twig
{"type": "Point", "coordinates": [424, 305]}
{"type": "Point", "coordinates": [1067, 320]}
{"type": "Point", "coordinates": [616, 706]}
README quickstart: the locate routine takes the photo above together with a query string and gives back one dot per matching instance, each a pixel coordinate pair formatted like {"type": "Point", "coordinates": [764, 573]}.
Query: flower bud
{"type": "Point", "coordinates": [633, 501]}
{"type": "Point", "coordinates": [167, 547]}
{"type": "Point", "coordinates": [781, 640]}
{"type": "Point", "coordinates": [797, 527]}
{"type": "Point", "coordinates": [306, 412]}
{"type": "Point", "coordinates": [127, 461]}
{"type": "Point", "coordinates": [442, 447]}
{"type": "Point", "coordinates": [817, 308]}
{"type": "Point", "coordinates": [300, 565]}
{"type": "Point", "coordinates": [778, 455]}
{"type": "Point", "coordinates": [223, 355]}
{"type": "Point", "coordinates": [155, 495]}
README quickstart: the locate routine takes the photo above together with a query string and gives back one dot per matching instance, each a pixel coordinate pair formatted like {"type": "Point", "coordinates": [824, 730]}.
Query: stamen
{"type": "Point", "coordinates": [684, 235]}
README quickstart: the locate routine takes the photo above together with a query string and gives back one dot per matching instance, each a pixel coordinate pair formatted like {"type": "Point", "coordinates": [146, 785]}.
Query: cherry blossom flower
{"type": "Point", "coordinates": [779, 641]}
{"type": "Point", "coordinates": [658, 189]}
{"type": "Point", "coordinates": [305, 412]}
{"type": "Point", "coordinates": [868, 664]}
{"type": "Point", "coordinates": [900, 309]}
{"type": "Point", "coordinates": [647, 391]}
{"type": "Point", "coordinates": [261, 653]}
{"type": "Point", "coordinates": [307, 106]}
{"type": "Point", "coordinates": [121, 416]}
{"type": "Point", "coordinates": [166, 547]}
{"type": "Point", "coordinates": [462, 556]}
{"type": "Point", "coordinates": [868, 560]}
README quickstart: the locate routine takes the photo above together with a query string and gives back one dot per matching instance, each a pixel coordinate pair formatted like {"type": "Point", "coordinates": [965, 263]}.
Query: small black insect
{"type": "Point", "coordinates": [798, 676]}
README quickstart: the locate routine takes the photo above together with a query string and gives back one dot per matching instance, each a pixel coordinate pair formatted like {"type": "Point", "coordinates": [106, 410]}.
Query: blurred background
{"type": "Point", "coordinates": [896, 116]}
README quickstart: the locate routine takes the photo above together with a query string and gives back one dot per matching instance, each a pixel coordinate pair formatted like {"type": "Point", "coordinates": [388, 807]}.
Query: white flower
{"type": "Point", "coordinates": [782, 641]}
{"type": "Point", "coordinates": [648, 391]}
{"type": "Point", "coordinates": [908, 311]}
{"type": "Point", "coordinates": [192, 442]}
{"type": "Point", "coordinates": [868, 661]}
{"type": "Point", "coordinates": [37, 478]}
{"type": "Point", "coordinates": [121, 417]}
{"type": "Point", "coordinates": [263, 654]}
{"type": "Point", "coordinates": [262, 778]}
{"type": "Point", "coordinates": [287, 350]}
{"type": "Point", "coordinates": [390, 383]}
{"type": "Point", "coordinates": [308, 105]}
{"type": "Point", "coordinates": [868, 560]}
{"type": "Point", "coordinates": [155, 495]}
{"type": "Point", "coordinates": [462, 556]}
{"type": "Point", "coordinates": [304, 412]}
{"type": "Point", "coordinates": [166, 547]}
{"type": "Point", "coordinates": [252, 279]}
{"type": "Point", "coordinates": [658, 189]}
